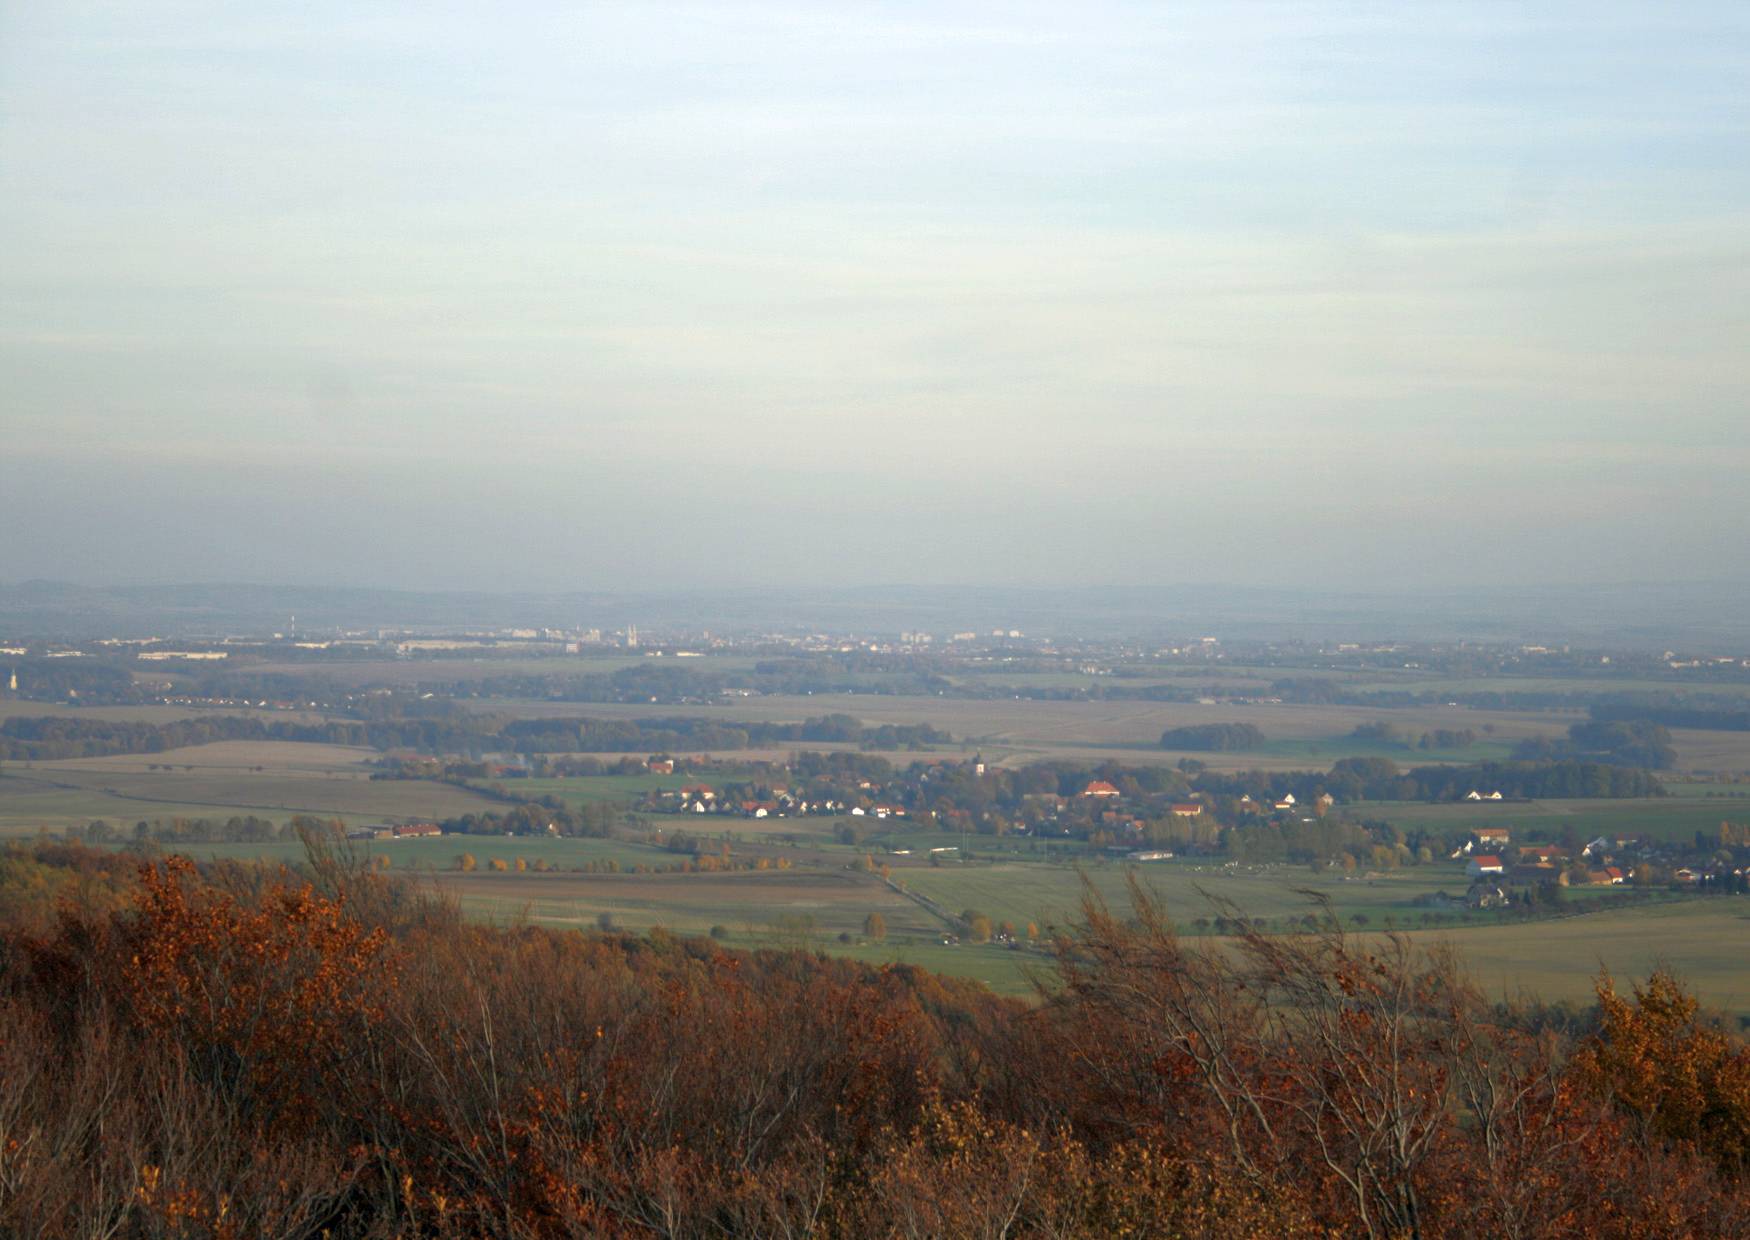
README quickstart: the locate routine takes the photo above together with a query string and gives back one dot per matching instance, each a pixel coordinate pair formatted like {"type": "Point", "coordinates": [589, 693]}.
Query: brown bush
{"type": "Point", "coordinates": [235, 1053]}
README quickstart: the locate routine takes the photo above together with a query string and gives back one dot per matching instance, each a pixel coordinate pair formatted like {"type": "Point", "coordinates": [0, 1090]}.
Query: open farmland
{"type": "Point", "coordinates": [1015, 731]}
{"type": "Point", "coordinates": [1705, 941]}
{"type": "Point", "coordinates": [1017, 878]}
{"type": "Point", "coordinates": [270, 779]}
{"type": "Point", "coordinates": [751, 902]}
{"type": "Point", "coordinates": [1712, 750]}
{"type": "Point", "coordinates": [1020, 891]}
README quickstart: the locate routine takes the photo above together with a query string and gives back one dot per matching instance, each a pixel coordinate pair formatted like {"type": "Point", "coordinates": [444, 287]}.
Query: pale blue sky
{"type": "Point", "coordinates": [595, 295]}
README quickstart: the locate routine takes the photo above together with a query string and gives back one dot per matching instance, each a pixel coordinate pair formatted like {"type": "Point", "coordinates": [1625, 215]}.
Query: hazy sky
{"type": "Point", "coordinates": [598, 295]}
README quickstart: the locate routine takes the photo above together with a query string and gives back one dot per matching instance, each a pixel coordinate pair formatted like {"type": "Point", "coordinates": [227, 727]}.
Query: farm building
{"type": "Point", "coordinates": [1486, 895]}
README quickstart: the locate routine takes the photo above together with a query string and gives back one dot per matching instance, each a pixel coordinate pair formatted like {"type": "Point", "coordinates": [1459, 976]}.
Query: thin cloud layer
{"type": "Point", "coordinates": [632, 295]}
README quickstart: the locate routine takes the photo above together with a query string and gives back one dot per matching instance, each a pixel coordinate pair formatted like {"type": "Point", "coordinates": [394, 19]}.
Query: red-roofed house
{"type": "Point", "coordinates": [1484, 864]}
{"type": "Point", "coordinates": [1100, 788]}
{"type": "Point", "coordinates": [1187, 809]}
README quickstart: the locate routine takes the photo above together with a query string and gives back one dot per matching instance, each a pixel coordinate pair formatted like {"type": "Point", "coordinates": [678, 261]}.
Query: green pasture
{"type": "Point", "coordinates": [1051, 894]}
{"type": "Point", "coordinates": [1008, 971]}
{"type": "Point", "coordinates": [1705, 941]}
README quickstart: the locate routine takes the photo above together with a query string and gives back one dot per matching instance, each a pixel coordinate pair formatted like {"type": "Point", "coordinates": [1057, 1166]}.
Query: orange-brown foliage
{"type": "Point", "coordinates": [236, 1054]}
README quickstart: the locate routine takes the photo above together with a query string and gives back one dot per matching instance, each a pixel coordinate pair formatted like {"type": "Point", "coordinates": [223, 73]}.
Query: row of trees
{"type": "Point", "coordinates": [59, 737]}
{"type": "Point", "coordinates": [1632, 742]}
{"type": "Point", "coordinates": [1382, 732]}
{"type": "Point", "coordinates": [691, 732]}
{"type": "Point", "coordinates": [1213, 737]}
{"type": "Point", "coordinates": [547, 815]}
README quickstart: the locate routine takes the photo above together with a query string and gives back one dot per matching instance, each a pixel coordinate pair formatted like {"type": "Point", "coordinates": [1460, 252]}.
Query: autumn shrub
{"type": "Point", "coordinates": [229, 1052]}
{"type": "Point", "coordinates": [1676, 1079]}
{"type": "Point", "coordinates": [269, 1002]}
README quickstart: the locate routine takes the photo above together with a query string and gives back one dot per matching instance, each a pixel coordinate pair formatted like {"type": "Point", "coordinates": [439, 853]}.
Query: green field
{"type": "Point", "coordinates": [1706, 940]}
{"type": "Point", "coordinates": [1021, 891]}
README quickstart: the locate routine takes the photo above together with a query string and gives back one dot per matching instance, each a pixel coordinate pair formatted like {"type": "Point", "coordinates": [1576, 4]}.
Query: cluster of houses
{"type": "Point", "coordinates": [392, 831]}
{"type": "Point", "coordinates": [1098, 809]}
{"type": "Point", "coordinates": [1494, 864]}
{"type": "Point", "coordinates": [781, 803]}
{"type": "Point", "coordinates": [1285, 804]}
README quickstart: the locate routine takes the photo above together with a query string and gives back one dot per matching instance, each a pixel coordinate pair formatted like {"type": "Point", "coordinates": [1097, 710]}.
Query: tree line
{"type": "Point", "coordinates": [1629, 742]}
{"type": "Point", "coordinates": [1675, 711]}
{"type": "Point", "coordinates": [58, 737]}
{"type": "Point", "coordinates": [1214, 737]}
{"type": "Point", "coordinates": [690, 732]}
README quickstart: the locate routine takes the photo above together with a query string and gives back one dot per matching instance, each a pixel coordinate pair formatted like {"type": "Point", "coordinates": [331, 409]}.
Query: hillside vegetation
{"type": "Point", "coordinates": [243, 1051]}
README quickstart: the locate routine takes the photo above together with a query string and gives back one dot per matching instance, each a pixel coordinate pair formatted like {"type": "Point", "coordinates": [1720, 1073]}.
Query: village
{"type": "Point", "coordinates": [1155, 814]}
